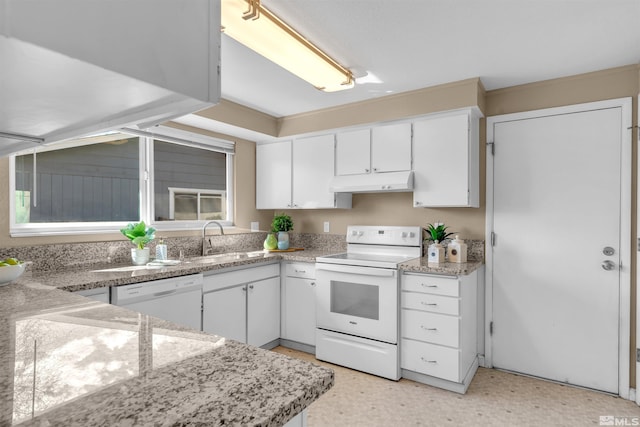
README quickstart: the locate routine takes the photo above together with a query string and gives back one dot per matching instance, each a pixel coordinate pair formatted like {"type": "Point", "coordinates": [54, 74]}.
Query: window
{"type": "Point", "coordinates": [93, 182]}
{"type": "Point", "coordinates": [100, 183]}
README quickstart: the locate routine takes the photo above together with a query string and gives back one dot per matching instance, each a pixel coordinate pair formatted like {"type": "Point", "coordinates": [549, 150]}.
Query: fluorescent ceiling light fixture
{"type": "Point", "coordinates": [248, 22]}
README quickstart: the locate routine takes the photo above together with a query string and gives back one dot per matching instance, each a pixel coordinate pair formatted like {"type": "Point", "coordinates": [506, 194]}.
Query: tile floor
{"type": "Point", "coordinates": [494, 398]}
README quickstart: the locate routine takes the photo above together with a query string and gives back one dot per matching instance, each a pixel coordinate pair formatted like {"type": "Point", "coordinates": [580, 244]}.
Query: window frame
{"type": "Point", "coordinates": [146, 180]}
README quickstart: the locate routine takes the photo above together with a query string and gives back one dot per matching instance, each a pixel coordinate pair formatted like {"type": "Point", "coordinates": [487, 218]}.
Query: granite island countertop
{"type": "Point", "coordinates": [75, 362]}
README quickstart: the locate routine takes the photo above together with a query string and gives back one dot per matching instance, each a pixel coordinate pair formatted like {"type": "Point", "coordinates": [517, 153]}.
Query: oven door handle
{"type": "Point", "coordinates": [363, 271]}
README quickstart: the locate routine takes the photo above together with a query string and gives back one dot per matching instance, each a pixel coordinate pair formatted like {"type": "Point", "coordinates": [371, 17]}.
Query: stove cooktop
{"type": "Point", "coordinates": [365, 260]}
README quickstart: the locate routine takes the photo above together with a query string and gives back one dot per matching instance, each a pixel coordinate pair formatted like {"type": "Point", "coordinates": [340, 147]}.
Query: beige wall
{"type": "Point", "coordinates": [393, 208]}
{"type": "Point", "coordinates": [466, 93]}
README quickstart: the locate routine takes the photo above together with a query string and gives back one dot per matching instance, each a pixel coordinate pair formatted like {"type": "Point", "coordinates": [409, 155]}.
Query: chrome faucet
{"type": "Point", "coordinates": [204, 238]}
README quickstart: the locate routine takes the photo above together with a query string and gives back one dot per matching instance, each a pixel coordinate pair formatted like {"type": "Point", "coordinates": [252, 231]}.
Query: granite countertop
{"type": "Point", "coordinates": [420, 265]}
{"type": "Point", "coordinates": [74, 361]}
{"type": "Point", "coordinates": [70, 361]}
{"type": "Point", "coordinates": [103, 275]}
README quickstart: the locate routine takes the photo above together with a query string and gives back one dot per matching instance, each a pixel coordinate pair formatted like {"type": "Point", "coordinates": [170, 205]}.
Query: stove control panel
{"type": "Point", "coordinates": [385, 235]}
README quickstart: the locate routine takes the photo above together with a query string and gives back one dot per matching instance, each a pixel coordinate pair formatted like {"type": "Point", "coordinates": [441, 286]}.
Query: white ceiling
{"type": "Point", "coordinates": [412, 44]}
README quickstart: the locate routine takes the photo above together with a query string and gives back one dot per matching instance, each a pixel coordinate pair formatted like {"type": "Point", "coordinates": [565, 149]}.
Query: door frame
{"type": "Point", "coordinates": [624, 331]}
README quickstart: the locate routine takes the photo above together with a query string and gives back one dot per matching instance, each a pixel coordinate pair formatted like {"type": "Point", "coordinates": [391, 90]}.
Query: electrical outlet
{"type": "Point", "coordinates": [255, 226]}
{"type": "Point", "coordinates": [326, 226]}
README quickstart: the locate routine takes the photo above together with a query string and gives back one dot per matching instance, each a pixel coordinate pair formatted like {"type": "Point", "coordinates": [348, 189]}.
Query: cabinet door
{"type": "Point", "coordinates": [300, 310]}
{"type": "Point", "coordinates": [225, 313]}
{"type": "Point", "coordinates": [391, 148]}
{"type": "Point", "coordinates": [273, 175]}
{"type": "Point", "coordinates": [442, 161]}
{"type": "Point", "coordinates": [263, 311]}
{"type": "Point", "coordinates": [313, 165]}
{"type": "Point", "coordinates": [353, 152]}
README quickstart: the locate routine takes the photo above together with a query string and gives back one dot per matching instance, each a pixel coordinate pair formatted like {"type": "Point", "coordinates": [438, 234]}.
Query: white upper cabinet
{"type": "Point", "coordinates": [273, 175]}
{"type": "Point", "coordinates": [73, 67]}
{"type": "Point", "coordinates": [391, 148]}
{"type": "Point", "coordinates": [313, 166]}
{"type": "Point", "coordinates": [446, 160]}
{"type": "Point", "coordinates": [379, 149]}
{"type": "Point", "coordinates": [297, 175]}
{"type": "Point", "coordinates": [353, 152]}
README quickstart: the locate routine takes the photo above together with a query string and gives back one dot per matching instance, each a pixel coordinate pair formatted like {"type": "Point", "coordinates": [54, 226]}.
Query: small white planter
{"type": "Point", "coordinates": [140, 256]}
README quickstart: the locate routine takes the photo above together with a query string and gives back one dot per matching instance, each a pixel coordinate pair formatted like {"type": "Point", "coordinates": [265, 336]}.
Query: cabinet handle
{"type": "Point", "coordinates": [431, 304]}
{"type": "Point", "coordinates": [427, 360]}
{"type": "Point", "coordinates": [250, 286]}
{"type": "Point", "coordinates": [428, 329]}
{"type": "Point", "coordinates": [375, 169]}
{"type": "Point", "coordinates": [312, 283]}
{"type": "Point", "coordinates": [366, 170]}
{"type": "Point", "coordinates": [244, 289]}
{"type": "Point", "coordinates": [428, 286]}
{"type": "Point", "coordinates": [417, 203]}
{"type": "Point", "coordinates": [300, 271]}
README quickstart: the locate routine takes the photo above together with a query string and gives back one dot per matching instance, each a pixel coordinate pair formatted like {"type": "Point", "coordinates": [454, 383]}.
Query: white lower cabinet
{"type": "Point", "coordinates": [224, 313]}
{"type": "Point", "coordinates": [438, 329]}
{"type": "Point", "coordinates": [299, 306]}
{"type": "Point", "coordinates": [243, 305]}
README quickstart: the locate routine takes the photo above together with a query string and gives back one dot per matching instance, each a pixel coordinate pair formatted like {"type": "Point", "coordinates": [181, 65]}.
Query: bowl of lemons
{"type": "Point", "coordinates": [10, 270]}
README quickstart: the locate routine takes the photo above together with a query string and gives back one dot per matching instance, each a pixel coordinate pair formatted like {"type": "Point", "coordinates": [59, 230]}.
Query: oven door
{"type": "Point", "coordinates": [360, 301]}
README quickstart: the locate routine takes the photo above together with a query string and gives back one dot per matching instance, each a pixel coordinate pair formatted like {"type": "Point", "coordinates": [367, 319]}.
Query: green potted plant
{"type": "Point", "coordinates": [282, 224]}
{"type": "Point", "coordinates": [437, 233]}
{"type": "Point", "coordinates": [140, 235]}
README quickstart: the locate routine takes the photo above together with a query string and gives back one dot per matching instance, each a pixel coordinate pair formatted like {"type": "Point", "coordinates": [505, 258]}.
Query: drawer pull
{"type": "Point", "coordinates": [429, 286]}
{"type": "Point", "coordinates": [431, 304]}
{"type": "Point", "coordinates": [428, 329]}
{"type": "Point", "coordinates": [301, 271]}
{"type": "Point", "coordinates": [427, 360]}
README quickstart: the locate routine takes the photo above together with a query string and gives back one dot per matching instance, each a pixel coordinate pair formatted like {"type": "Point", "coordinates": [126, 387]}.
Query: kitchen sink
{"type": "Point", "coordinates": [226, 257]}
{"type": "Point", "coordinates": [129, 268]}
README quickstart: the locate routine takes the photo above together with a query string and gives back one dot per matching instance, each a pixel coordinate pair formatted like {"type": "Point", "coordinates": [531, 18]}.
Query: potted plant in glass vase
{"type": "Point", "coordinates": [140, 235]}
{"type": "Point", "coordinates": [282, 224]}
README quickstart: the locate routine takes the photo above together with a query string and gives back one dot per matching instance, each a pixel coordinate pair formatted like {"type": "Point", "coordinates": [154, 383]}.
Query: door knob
{"type": "Point", "coordinates": [608, 265]}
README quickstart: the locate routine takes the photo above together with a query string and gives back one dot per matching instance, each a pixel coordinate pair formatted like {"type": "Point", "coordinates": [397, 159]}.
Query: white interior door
{"type": "Point", "coordinates": [558, 184]}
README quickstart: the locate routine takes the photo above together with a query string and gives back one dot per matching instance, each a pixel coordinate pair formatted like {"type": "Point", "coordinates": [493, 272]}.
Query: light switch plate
{"type": "Point", "coordinates": [326, 226]}
{"type": "Point", "coordinates": [255, 226]}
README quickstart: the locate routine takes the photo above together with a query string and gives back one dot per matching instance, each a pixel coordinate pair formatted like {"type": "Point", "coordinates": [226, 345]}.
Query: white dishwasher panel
{"type": "Point", "coordinates": [178, 300]}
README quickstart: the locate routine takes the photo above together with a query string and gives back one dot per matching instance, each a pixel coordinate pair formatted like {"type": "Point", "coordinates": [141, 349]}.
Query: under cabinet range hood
{"type": "Point", "coordinates": [373, 182]}
{"type": "Point", "coordinates": [69, 68]}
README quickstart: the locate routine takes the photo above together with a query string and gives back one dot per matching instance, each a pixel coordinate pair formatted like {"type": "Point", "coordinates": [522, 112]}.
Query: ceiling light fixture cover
{"type": "Point", "coordinates": [248, 22]}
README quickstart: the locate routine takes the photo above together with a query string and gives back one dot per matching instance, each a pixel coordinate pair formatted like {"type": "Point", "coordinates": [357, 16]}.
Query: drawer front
{"type": "Point", "coordinates": [430, 327]}
{"type": "Point", "coordinates": [304, 270]}
{"type": "Point", "coordinates": [449, 286]}
{"type": "Point", "coordinates": [237, 277]}
{"type": "Point", "coordinates": [429, 359]}
{"type": "Point", "coordinates": [432, 303]}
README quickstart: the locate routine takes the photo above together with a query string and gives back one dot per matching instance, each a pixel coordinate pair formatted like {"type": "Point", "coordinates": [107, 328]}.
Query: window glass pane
{"type": "Point", "coordinates": [97, 182]}
{"type": "Point", "coordinates": [189, 183]}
